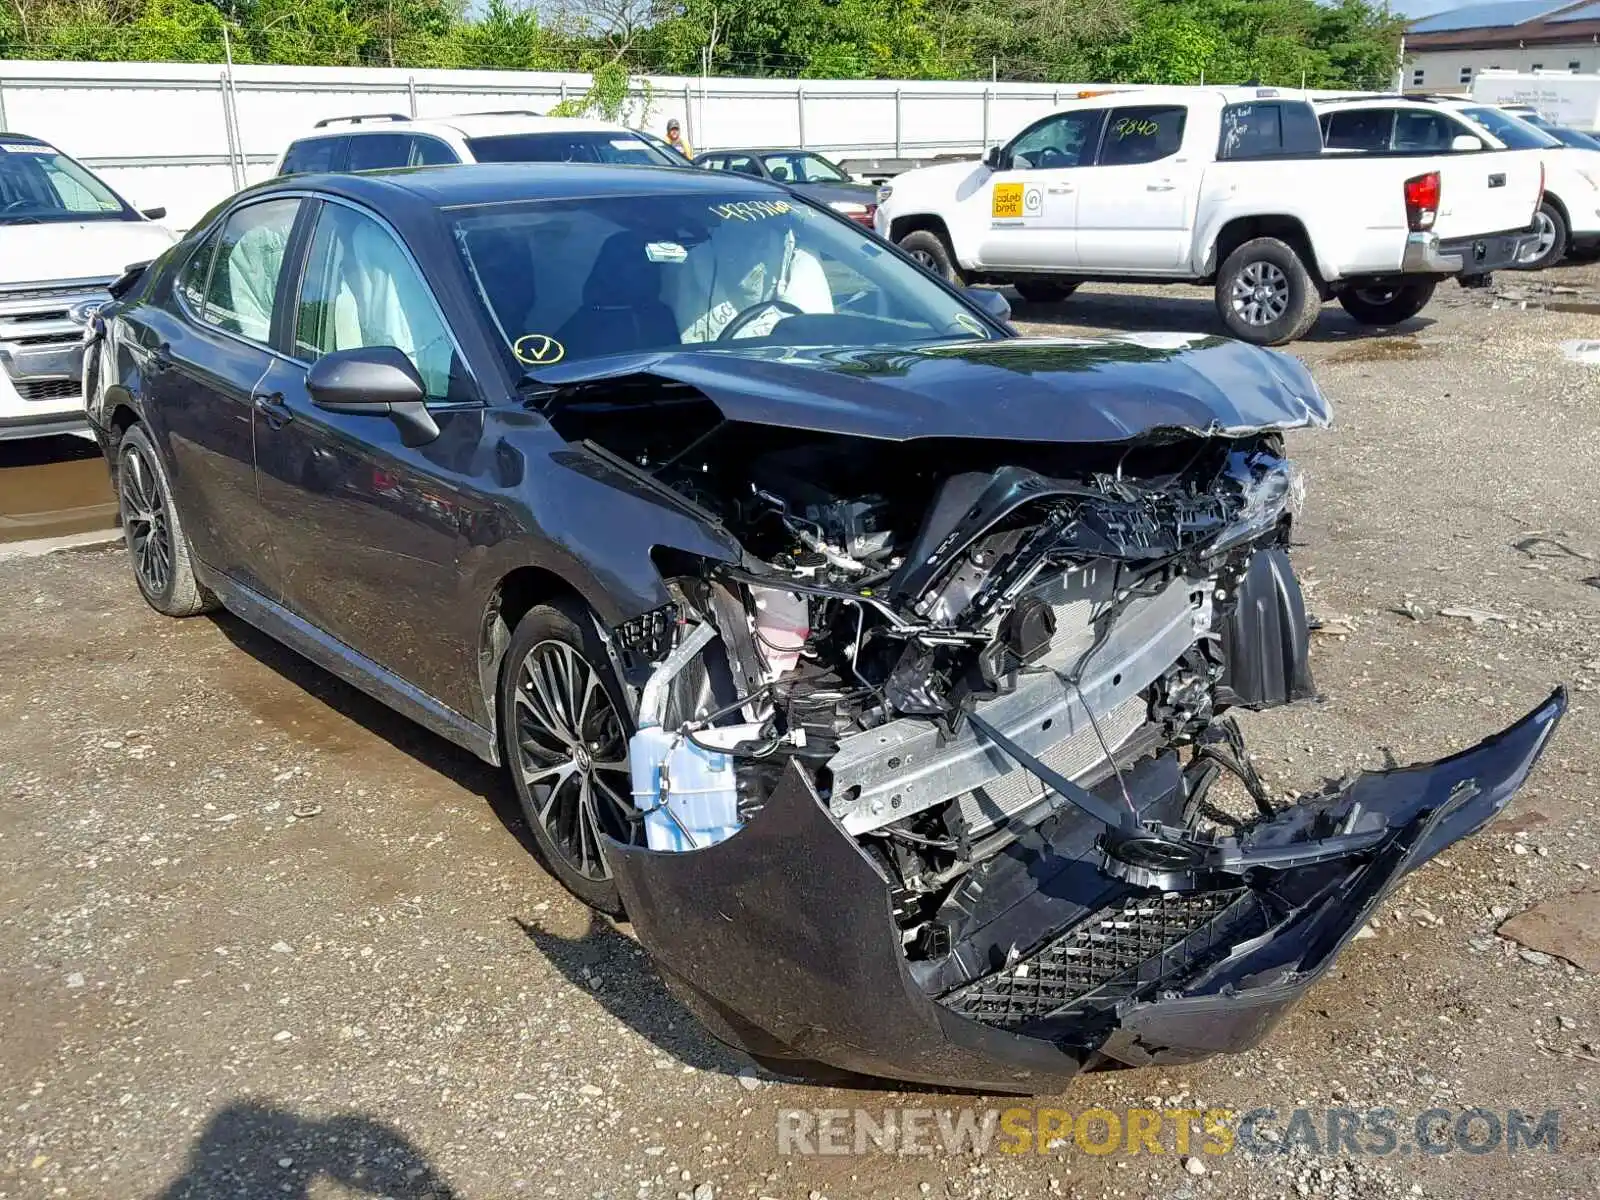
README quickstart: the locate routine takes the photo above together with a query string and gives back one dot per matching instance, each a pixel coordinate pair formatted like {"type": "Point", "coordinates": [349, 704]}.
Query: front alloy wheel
{"type": "Point", "coordinates": [564, 737]}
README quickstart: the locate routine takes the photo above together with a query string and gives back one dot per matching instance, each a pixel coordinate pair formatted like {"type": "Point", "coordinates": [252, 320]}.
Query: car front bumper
{"type": "Point", "coordinates": [782, 938]}
{"type": "Point", "coordinates": [1427, 254]}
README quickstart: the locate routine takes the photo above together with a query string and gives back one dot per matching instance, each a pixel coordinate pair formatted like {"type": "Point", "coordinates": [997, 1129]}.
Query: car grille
{"type": "Point", "coordinates": [47, 389]}
{"type": "Point", "coordinates": [41, 344]}
{"type": "Point", "coordinates": [1123, 948]}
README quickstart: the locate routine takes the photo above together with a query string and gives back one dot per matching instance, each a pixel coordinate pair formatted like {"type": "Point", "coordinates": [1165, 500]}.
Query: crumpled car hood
{"type": "Point", "coordinates": [1014, 389]}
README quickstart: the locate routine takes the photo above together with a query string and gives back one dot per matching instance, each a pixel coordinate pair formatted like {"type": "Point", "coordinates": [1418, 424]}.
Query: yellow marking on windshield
{"type": "Point", "coordinates": [538, 350]}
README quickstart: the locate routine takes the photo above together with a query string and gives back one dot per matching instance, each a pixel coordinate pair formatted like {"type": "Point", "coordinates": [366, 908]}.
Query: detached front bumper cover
{"type": "Point", "coordinates": [781, 939]}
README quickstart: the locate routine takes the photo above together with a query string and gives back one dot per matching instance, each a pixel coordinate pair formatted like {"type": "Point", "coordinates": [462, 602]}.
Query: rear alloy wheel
{"type": "Point", "coordinates": [1264, 293]}
{"type": "Point", "coordinates": [565, 741]}
{"type": "Point", "coordinates": [1043, 291]}
{"type": "Point", "coordinates": [928, 250]}
{"type": "Point", "coordinates": [1387, 305]}
{"type": "Point", "coordinates": [157, 546]}
{"type": "Point", "coordinates": [1551, 247]}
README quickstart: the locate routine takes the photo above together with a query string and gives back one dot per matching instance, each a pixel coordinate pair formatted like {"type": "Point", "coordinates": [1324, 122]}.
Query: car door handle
{"type": "Point", "coordinates": [1059, 189]}
{"type": "Point", "coordinates": [271, 406]}
{"type": "Point", "coordinates": [1163, 186]}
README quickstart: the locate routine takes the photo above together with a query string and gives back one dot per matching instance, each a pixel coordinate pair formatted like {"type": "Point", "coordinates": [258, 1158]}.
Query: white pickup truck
{"type": "Point", "coordinates": [1223, 186]}
{"type": "Point", "coordinates": [64, 238]}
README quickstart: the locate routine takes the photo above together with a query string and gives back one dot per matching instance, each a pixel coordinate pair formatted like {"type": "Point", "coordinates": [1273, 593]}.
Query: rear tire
{"type": "Point", "coordinates": [1265, 295]}
{"type": "Point", "coordinates": [1553, 238]}
{"type": "Point", "coordinates": [158, 548]}
{"type": "Point", "coordinates": [1043, 291]}
{"type": "Point", "coordinates": [1387, 305]}
{"type": "Point", "coordinates": [564, 735]}
{"type": "Point", "coordinates": [930, 252]}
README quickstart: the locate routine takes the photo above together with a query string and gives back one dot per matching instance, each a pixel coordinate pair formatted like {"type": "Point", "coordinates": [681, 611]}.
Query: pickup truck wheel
{"type": "Point", "coordinates": [1552, 243]}
{"type": "Point", "coordinates": [1043, 291]}
{"type": "Point", "coordinates": [928, 249]}
{"type": "Point", "coordinates": [1387, 305]}
{"type": "Point", "coordinates": [1265, 295]}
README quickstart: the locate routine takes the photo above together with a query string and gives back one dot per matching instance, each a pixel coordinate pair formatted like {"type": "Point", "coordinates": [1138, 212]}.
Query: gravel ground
{"type": "Point", "coordinates": [260, 937]}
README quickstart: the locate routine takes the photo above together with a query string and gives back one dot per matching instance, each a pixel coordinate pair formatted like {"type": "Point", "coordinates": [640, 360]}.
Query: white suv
{"type": "Point", "coordinates": [1569, 214]}
{"type": "Point", "coordinates": [65, 237]}
{"type": "Point", "coordinates": [378, 141]}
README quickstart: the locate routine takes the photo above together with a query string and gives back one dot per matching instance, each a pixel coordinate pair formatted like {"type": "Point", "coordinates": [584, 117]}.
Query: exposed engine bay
{"type": "Point", "coordinates": [987, 684]}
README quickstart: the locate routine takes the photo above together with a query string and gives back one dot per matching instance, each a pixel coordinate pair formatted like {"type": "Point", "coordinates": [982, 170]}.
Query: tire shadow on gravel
{"type": "Point", "coordinates": [1118, 313]}
{"type": "Point", "coordinates": [245, 1146]}
{"type": "Point", "coordinates": [619, 975]}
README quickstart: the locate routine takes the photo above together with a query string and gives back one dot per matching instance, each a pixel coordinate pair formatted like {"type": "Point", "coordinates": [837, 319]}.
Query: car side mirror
{"type": "Point", "coordinates": [993, 303]}
{"type": "Point", "coordinates": [374, 381]}
{"type": "Point", "coordinates": [996, 159]}
{"type": "Point", "coordinates": [1465, 143]}
{"type": "Point", "coordinates": [153, 214]}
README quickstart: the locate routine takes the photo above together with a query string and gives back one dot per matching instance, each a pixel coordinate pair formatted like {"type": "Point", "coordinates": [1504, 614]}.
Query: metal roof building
{"type": "Point", "coordinates": [1444, 51]}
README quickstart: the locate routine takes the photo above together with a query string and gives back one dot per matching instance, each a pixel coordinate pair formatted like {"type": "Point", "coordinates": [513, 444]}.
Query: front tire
{"type": "Point", "coordinates": [157, 545]}
{"type": "Point", "coordinates": [564, 735]}
{"type": "Point", "coordinates": [1553, 239]}
{"type": "Point", "coordinates": [1387, 305]}
{"type": "Point", "coordinates": [1265, 295]}
{"type": "Point", "coordinates": [1043, 291]}
{"type": "Point", "coordinates": [928, 249]}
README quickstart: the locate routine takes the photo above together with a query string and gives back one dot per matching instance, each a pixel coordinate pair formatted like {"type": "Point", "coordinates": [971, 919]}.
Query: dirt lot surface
{"type": "Point", "coordinates": [261, 938]}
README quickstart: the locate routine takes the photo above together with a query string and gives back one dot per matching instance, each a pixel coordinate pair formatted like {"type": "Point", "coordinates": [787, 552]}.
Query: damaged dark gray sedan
{"type": "Point", "coordinates": [877, 662]}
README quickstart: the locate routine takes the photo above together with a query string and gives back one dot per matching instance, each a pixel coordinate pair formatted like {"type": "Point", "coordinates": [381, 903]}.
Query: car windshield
{"type": "Point", "coordinates": [39, 183]}
{"type": "Point", "coordinates": [1514, 132]}
{"type": "Point", "coordinates": [803, 168]}
{"type": "Point", "coordinates": [582, 146]}
{"type": "Point", "coordinates": [1566, 135]}
{"type": "Point", "coordinates": [583, 278]}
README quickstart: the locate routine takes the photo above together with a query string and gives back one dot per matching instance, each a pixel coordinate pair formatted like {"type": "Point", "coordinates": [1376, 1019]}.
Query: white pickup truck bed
{"type": "Point", "coordinates": [1171, 184]}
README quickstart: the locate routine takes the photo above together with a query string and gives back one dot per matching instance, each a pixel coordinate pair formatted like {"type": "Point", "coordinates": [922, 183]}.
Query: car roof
{"type": "Point", "coordinates": [472, 184]}
{"type": "Point", "coordinates": [23, 139]}
{"type": "Point", "coordinates": [468, 125]}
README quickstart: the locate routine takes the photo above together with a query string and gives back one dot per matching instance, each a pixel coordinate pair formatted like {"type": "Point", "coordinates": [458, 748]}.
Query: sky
{"type": "Point", "coordinates": [1425, 8]}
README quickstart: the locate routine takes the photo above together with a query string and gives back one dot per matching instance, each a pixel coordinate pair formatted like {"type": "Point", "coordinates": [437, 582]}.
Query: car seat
{"type": "Point", "coordinates": [622, 308]}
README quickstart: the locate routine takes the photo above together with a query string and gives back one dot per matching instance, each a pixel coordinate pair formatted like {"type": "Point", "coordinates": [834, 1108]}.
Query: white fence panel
{"type": "Point", "coordinates": [185, 136]}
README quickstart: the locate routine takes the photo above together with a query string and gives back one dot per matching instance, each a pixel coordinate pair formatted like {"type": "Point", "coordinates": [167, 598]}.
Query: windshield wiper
{"type": "Point", "coordinates": [4, 220]}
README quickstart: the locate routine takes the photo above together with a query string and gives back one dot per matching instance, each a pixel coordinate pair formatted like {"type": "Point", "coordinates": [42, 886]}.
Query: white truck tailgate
{"type": "Point", "coordinates": [1487, 192]}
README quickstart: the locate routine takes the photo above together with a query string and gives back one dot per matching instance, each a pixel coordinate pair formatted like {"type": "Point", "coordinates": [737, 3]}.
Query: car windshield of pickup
{"type": "Point", "coordinates": [38, 183]}
{"type": "Point", "coordinates": [575, 279]}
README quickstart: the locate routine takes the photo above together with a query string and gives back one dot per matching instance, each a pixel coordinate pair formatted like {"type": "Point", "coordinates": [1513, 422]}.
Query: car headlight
{"type": "Point", "coordinates": [885, 190]}
{"type": "Point", "coordinates": [848, 207]}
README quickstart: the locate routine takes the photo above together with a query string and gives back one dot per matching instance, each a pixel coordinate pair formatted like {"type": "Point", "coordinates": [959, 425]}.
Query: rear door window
{"type": "Point", "coordinates": [1142, 135]}
{"type": "Point", "coordinates": [431, 152]}
{"type": "Point", "coordinates": [1358, 129]}
{"type": "Point", "coordinates": [312, 154]}
{"type": "Point", "coordinates": [379, 151]}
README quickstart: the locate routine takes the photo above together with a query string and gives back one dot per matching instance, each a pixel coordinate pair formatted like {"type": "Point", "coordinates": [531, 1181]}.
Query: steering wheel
{"type": "Point", "coordinates": [1049, 157]}
{"type": "Point", "coordinates": [746, 315]}
{"type": "Point", "coordinates": [16, 204]}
